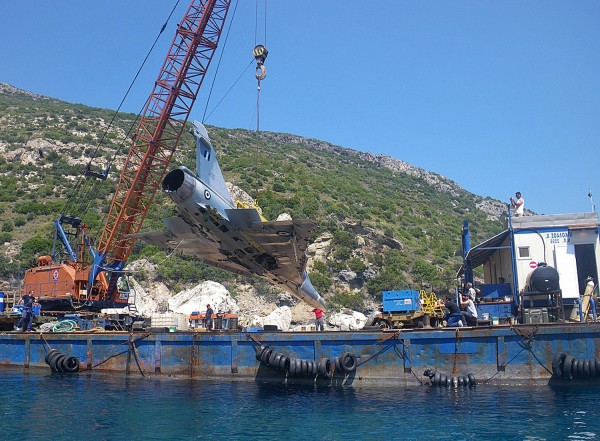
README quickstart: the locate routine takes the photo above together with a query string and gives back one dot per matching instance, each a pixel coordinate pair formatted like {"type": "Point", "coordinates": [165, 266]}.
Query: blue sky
{"type": "Point", "coordinates": [498, 96]}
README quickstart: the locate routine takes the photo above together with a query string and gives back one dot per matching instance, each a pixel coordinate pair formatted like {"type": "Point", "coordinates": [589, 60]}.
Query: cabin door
{"type": "Point", "coordinates": [586, 264]}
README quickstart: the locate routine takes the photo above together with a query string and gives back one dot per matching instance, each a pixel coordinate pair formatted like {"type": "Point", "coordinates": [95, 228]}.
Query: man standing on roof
{"type": "Point", "coordinates": [518, 204]}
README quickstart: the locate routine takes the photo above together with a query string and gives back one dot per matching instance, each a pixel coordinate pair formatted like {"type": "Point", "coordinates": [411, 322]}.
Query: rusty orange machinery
{"type": "Point", "coordinates": [64, 282]}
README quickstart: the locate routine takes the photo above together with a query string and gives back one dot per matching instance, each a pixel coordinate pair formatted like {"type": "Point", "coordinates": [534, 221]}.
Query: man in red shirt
{"type": "Point", "coordinates": [319, 319]}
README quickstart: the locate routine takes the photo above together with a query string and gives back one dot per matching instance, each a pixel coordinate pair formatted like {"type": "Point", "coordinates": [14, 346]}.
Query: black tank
{"type": "Point", "coordinates": [543, 279]}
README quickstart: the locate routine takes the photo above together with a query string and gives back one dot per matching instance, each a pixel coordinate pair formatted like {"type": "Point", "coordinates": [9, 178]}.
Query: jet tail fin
{"type": "Point", "coordinates": [207, 165]}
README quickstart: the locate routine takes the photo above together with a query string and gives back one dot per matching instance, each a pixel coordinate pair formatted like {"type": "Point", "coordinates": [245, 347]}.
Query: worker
{"type": "Point", "coordinates": [470, 311]}
{"type": "Point", "coordinates": [518, 204]}
{"type": "Point", "coordinates": [27, 301]}
{"type": "Point", "coordinates": [208, 319]}
{"type": "Point", "coordinates": [319, 319]}
{"type": "Point", "coordinates": [453, 315]}
{"type": "Point", "coordinates": [471, 291]}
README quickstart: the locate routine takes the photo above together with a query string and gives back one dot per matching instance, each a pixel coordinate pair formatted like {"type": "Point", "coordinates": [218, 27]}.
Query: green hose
{"type": "Point", "coordinates": [64, 326]}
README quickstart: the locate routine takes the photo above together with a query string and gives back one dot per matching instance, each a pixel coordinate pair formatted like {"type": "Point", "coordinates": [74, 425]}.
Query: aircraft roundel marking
{"type": "Point", "coordinates": [207, 194]}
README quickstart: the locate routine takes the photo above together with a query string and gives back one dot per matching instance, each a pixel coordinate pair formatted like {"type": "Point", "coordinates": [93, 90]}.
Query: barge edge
{"type": "Point", "coordinates": [495, 355]}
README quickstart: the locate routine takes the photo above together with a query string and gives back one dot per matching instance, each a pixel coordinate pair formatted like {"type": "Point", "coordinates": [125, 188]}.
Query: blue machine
{"type": "Point", "coordinates": [401, 301]}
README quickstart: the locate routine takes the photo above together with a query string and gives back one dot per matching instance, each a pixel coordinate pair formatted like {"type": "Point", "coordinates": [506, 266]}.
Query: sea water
{"type": "Point", "coordinates": [44, 406]}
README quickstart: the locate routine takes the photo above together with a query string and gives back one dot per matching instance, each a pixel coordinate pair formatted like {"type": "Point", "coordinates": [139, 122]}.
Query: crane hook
{"type": "Point", "coordinates": [260, 55]}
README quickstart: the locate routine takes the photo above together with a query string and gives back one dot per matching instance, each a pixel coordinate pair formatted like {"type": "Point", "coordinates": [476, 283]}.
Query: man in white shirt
{"type": "Point", "coordinates": [518, 204]}
{"type": "Point", "coordinates": [470, 312]}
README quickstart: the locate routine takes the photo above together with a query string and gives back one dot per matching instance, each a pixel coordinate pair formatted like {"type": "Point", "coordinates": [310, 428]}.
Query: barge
{"type": "Point", "coordinates": [497, 355]}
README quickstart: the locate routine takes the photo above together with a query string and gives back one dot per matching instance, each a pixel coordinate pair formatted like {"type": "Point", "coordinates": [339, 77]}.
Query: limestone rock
{"type": "Point", "coordinates": [198, 297]}
{"type": "Point", "coordinates": [281, 317]}
{"type": "Point", "coordinates": [347, 320]}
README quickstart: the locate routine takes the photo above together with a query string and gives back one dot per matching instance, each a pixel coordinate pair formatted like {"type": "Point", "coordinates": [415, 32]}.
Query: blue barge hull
{"type": "Point", "coordinates": [520, 354]}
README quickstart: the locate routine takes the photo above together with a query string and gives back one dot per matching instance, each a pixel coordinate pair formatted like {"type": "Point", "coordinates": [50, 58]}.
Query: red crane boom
{"type": "Point", "coordinates": [162, 124]}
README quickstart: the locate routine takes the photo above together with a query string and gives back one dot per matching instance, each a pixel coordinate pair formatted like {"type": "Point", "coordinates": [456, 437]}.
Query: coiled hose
{"type": "Point", "coordinates": [64, 326]}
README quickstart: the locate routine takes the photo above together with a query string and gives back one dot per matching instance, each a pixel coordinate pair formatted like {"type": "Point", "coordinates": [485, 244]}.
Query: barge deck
{"type": "Point", "coordinates": [499, 355]}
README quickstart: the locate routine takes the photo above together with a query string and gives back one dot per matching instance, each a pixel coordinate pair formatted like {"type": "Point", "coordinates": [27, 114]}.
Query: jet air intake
{"type": "Point", "coordinates": [179, 184]}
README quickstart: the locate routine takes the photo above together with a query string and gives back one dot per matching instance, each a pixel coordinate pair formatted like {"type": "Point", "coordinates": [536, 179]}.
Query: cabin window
{"type": "Point", "coordinates": [524, 253]}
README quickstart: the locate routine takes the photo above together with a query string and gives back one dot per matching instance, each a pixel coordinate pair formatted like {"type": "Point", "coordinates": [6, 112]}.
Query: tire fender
{"type": "Point", "coordinates": [568, 367]}
{"type": "Point", "coordinates": [349, 362]}
{"type": "Point", "coordinates": [557, 364]}
{"type": "Point", "coordinates": [443, 380]}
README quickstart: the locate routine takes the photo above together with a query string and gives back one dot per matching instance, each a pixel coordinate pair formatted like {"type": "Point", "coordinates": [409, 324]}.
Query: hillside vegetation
{"type": "Point", "coordinates": [383, 224]}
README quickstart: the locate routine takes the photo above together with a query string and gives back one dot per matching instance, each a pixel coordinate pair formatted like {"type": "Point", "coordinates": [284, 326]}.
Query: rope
{"type": "Point", "coordinates": [136, 356]}
{"type": "Point", "coordinates": [122, 352]}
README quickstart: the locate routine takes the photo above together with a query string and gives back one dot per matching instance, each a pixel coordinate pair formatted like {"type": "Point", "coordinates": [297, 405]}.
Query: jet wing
{"type": "Point", "coordinates": [182, 238]}
{"type": "Point", "coordinates": [286, 241]}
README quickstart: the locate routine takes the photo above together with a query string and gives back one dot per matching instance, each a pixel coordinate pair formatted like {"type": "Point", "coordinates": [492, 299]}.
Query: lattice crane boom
{"type": "Point", "coordinates": [159, 131]}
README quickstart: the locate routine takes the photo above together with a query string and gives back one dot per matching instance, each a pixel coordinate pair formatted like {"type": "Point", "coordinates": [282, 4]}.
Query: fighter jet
{"type": "Point", "coordinates": [229, 235]}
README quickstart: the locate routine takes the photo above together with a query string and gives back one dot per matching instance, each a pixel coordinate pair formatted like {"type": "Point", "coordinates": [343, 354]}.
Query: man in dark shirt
{"type": "Point", "coordinates": [208, 318]}
{"type": "Point", "coordinates": [453, 317]}
{"type": "Point", "coordinates": [27, 302]}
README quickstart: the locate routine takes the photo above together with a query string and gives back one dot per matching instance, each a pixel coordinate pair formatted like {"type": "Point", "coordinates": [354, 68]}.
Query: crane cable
{"type": "Point", "coordinates": [212, 85]}
{"type": "Point", "coordinates": [260, 55]}
{"type": "Point", "coordinates": [88, 197]}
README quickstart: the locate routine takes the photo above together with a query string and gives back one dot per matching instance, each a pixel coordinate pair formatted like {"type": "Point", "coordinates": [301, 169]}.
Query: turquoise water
{"type": "Point", "coordinates": [44, 406]}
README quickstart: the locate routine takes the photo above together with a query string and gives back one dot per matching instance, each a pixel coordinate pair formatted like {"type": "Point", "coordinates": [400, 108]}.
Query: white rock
{"type": "Point", "coordinates": [281, 317]}
{"type": "Point", "coordinates": [347, 320]}
{"type": "Point", "coordinates": [197, 298]}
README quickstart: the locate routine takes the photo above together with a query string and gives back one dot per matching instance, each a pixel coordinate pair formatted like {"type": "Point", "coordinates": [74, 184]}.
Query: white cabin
{"type": "Point", "coordinates": [567, 242]}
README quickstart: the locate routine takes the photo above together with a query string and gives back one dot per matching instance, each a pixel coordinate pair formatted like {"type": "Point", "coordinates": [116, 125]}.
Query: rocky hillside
{"type": "Point", "coordinates": [383, 224]}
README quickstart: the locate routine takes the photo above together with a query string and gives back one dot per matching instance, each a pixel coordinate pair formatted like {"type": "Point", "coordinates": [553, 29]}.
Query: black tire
{"type": "Point", "coordinates": [312, 368]}
{"type": "Point", "coordinates": [461, 381]}
{"type": "Point", "coordinates": [71, 365]}
{"type": "Point", "coordinates": [274, 359]}
{"type": "Point", "coordinates": [264, 358]}
{"type": "Point", "coordinates": [586, 369]}
{"type": "Point", "coordinates": [325, 368]}
{"type": "Point", "coordinates": [260, 350]}
{"type": "Point", "coordinates": [437, 379]}
{"type": "Point", "coordinates": [64, 368]}
{"type": "Point", "coordinates": [284, 363]}
{"type": "Point", "coordinates": [56, 362]}
{"type": "Point", "coordinates": [567, 370]}
{"type": "Point", "coordinates": [295, 367]}
{"type": "Point", "coordinates": [48, 354]}
{"type": "Point", "coordinates": [52, 361]}
{"type": "Point", "coordinates": [557, 364]}
{"type": "Point", "coordinates": [471, 379]}
{"type": "Point", "coordinates": [597, 363]}
{"type": "Point", "coordinates": [304, 367]}
{"type": "Point", "coordinates": [443, 380]}
{"type": "Point", "coordinates": [337, 365]}
{"type": "Point", "coordinates": [349, 362]}
{"type": "Point", "coordinates": [592, 368]}
{"type": "Point", "coordinates": [579, 368]}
